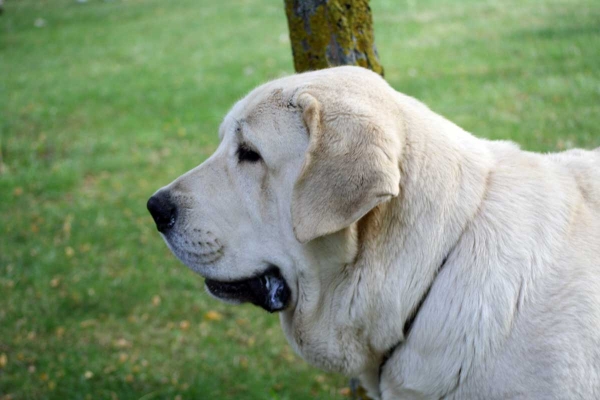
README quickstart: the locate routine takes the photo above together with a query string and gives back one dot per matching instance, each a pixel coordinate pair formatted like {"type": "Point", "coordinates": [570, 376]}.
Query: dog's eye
{"type": "Point", "coordinates": [246, 154]}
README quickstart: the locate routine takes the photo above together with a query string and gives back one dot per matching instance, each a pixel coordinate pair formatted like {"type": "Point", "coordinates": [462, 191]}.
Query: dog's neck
{"type": "Point", "coordinates": [444, 176]}
{"type": "Point", "coordinates": [399, 248]}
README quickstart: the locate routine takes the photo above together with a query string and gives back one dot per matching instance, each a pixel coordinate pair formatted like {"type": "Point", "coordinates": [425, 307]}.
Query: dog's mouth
{"type": "Point", "coordinates": [268, 290]}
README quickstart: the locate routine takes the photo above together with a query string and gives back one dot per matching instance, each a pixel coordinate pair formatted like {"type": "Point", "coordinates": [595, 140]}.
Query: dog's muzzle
{"type": "Point", "coordinates": [268, 290]}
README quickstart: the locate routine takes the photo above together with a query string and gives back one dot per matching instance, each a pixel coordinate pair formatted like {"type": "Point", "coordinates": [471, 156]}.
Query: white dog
{"type": "Point", "coordinates": [396, 246]}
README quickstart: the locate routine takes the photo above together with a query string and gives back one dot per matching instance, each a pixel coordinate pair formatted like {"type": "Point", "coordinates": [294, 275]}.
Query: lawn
{"type": "Point", "coordinates": [103, 102]}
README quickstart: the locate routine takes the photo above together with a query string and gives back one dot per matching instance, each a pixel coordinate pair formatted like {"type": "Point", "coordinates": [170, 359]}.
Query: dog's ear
{"type": "Point", "coordinates": [350, 166]}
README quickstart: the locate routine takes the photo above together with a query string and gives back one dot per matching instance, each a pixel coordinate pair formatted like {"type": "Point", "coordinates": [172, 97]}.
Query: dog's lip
{"type": "Point", "coordinates": [267, 289]}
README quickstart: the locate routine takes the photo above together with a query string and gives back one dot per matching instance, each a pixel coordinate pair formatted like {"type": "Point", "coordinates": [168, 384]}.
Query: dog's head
{"type": "Point", "coordinates": [301, 160]}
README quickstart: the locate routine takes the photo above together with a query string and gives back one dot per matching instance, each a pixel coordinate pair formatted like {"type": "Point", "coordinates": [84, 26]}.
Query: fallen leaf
{"type": "Point", "coordinates": [69, 252]}
{"type": "Point", "coordinates": [156, 301]}
{"type": "Point", "coordinates": [122, 343]}
{"type": "Point", "coordinates": [18, 191]}
{"type": "Point", "coordinates": [55, 282]}
{"type": "Point", "coordinates": [184, 325]}
{"type": "Point", "coordinates": [346, 392]}
{"type": "Point", "coordinates": [87, 323]}
{"type": "Point", "coordinates": [67, 225]}
{"type": "Point", "coordinates": [213, 316]}
{"type": "Point", "coordinates": [88, 375]}
{"type": "Point", "coordinates": [3, 360]}
{"type": "Point", "coordinates": [84, 248]}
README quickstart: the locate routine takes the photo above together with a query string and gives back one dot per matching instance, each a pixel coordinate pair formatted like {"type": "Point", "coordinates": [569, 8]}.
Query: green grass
{"type": "Point", "coordinates": [103, 102]}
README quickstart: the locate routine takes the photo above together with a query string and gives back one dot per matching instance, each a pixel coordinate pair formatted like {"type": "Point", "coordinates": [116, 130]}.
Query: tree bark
{"type": "Point", "coordinates": [327, 33]}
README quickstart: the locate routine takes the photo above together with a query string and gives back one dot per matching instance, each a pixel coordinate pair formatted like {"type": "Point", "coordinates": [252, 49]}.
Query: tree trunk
{"type": "Point", "coordinates": [326, 33]}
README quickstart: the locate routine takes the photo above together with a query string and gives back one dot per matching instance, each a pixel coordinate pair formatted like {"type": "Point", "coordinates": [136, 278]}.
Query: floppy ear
{"type": "Point", "coordinates": [351, 166]}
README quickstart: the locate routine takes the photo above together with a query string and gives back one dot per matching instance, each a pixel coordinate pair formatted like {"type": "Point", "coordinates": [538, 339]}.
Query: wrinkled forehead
{"type": "Point", "coordinates": [262, 106]}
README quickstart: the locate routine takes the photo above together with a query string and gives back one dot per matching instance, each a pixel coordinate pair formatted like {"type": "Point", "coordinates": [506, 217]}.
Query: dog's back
{"type": "Point", "coordinates": [585, 168]}
{"type": "Point", "coordinates": [552, 211]}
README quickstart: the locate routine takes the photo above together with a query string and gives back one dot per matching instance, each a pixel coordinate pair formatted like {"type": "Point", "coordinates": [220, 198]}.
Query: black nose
{"type": "Point", "coordinates": [163, 210]}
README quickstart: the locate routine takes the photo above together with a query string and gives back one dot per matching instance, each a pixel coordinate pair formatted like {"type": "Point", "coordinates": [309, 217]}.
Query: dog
{"type": "Point", "coordinates": [396, 246]}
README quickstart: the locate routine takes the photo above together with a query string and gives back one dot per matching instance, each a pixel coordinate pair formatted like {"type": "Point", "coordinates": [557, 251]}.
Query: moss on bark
{"type": "Point", "coordinates": [327, 33]}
